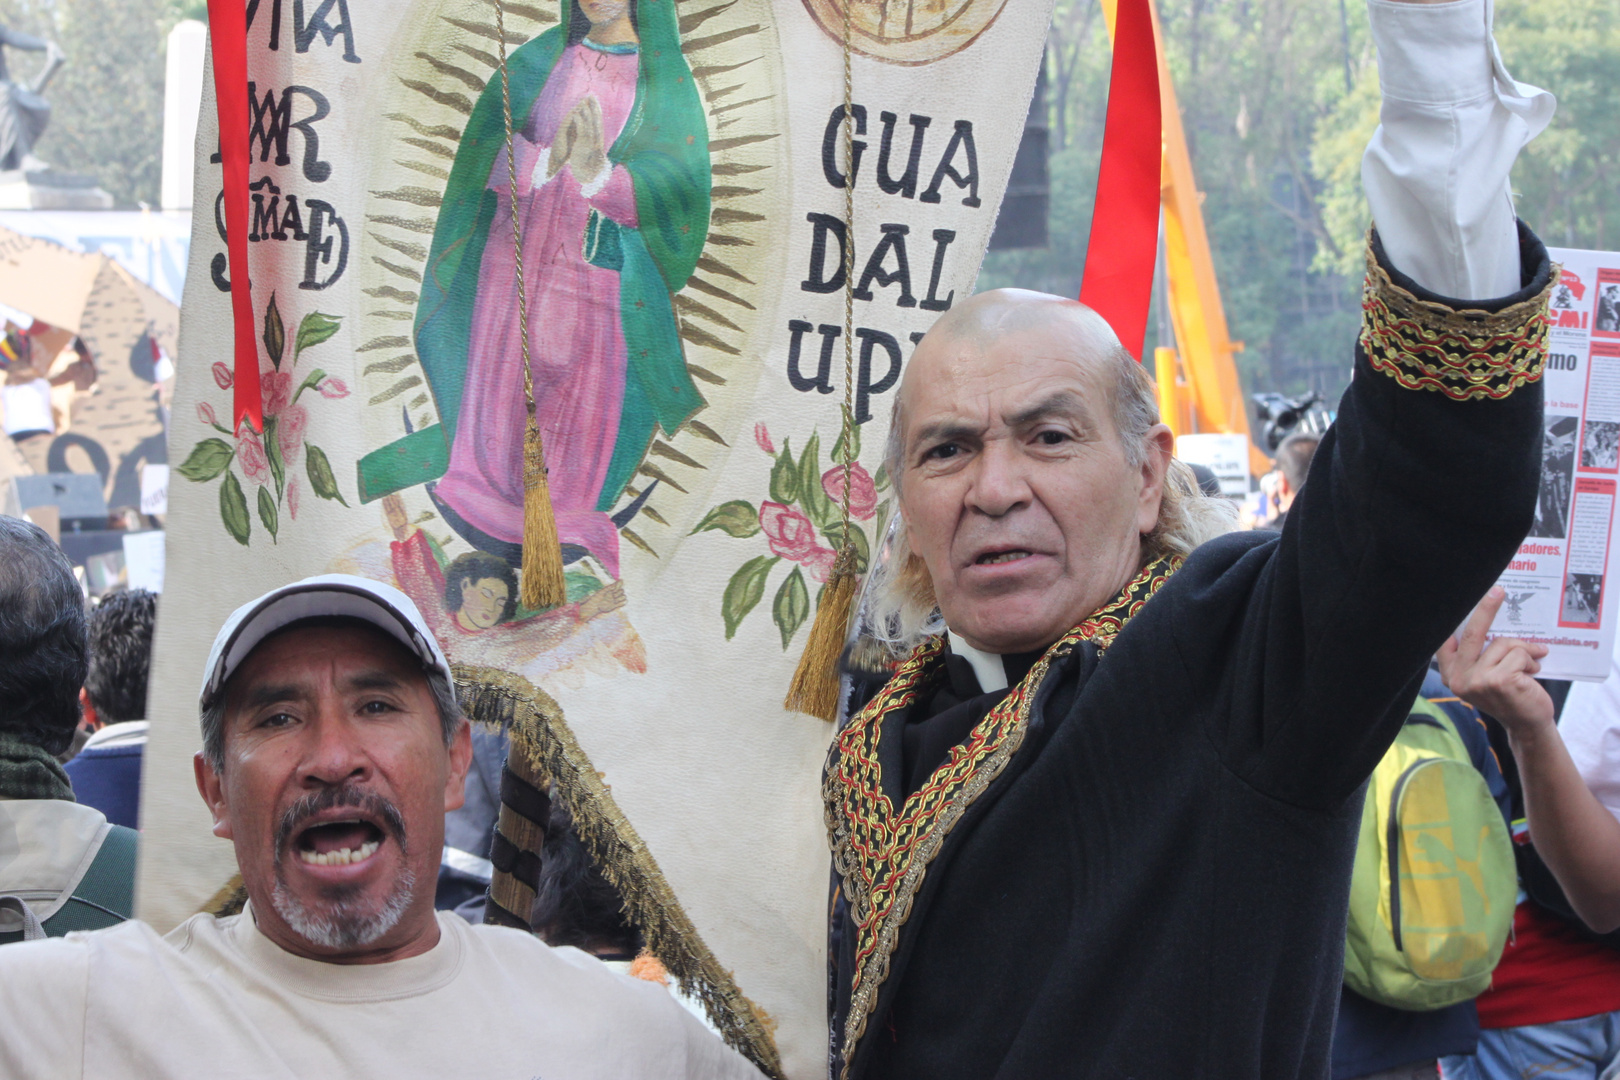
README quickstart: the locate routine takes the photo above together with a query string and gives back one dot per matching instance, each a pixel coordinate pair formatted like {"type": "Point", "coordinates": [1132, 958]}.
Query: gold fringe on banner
{"type": "Point", "coordinates": [543, 584]}
{"type": "Point", "coordinates": [540, 734]}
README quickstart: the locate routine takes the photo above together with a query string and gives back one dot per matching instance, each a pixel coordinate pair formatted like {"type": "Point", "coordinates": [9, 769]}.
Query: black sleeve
{"type": "Point", "coordinates": [1417, 498]}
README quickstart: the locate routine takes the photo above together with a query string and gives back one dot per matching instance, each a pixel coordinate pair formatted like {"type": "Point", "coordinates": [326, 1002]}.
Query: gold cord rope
{"type": "Point", "coordinates": [517, 232]}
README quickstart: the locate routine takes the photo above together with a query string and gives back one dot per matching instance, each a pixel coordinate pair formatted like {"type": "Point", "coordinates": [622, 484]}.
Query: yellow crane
{"type": "Point", "coordinates": [1198, 382]}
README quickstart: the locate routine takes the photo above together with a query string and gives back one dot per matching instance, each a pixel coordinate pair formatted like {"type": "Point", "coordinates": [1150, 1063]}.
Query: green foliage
{"type": "Point", "coordinates": [785, 477]}
{"type": "Point", "coordinates": [744, 591]}
{"type": "Point", "coordinates": [207, 460]}
{"type": "Point", "coordinates": [267, 513]}
{"type": "Point", "coordinates": [320, 475]}
{"type": "Point", "coordinates": [791, 606]}
{"type": "Point", "coordinates": [233, 510]}
{"type": "Point", "coordinates": [107, 100]}
{"type": "Point", "coordinates": [857, 536]}
{"type": "Point", "coordinates": [1252, 78]}
{"type": "Point", "coordinates": [812, 496]}
{"type": "Point", "coordinates": [1568, 179]}
{"type": "Point", "coordinates": [735, 518]}
{"type": "Point", "coordinates": [275, 332]}
{"type": "Point", "coordinates": [314, 329]}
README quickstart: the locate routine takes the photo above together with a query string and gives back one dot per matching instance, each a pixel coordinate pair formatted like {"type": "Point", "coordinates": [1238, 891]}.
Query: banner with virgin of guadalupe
{"type": "Point", "coordinates": [677, 179]}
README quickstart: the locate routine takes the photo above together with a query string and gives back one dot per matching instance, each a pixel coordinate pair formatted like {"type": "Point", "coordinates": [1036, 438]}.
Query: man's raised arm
{"type": "Point", "coordinates": [1426, 484]}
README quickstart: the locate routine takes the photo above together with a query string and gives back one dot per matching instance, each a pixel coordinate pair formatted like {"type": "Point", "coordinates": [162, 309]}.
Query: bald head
{"type": "Point", "coordinates": [1072, 327]}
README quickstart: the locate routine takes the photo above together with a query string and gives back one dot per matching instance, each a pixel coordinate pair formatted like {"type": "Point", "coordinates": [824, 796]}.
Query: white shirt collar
{"type": "Point", "coordinates": [987, 667]}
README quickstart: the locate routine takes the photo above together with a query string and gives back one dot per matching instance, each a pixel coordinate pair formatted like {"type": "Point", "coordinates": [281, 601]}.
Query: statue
{"type": "Point", "coordinates": [23, 112]}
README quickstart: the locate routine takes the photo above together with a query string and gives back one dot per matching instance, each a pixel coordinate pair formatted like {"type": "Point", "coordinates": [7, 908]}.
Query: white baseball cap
{"type": "Point", "coordinates": [383, 606]}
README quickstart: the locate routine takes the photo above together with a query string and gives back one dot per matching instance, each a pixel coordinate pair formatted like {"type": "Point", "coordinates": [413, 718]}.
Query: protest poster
{"type": "Point", "coordinates": [1557, 584]}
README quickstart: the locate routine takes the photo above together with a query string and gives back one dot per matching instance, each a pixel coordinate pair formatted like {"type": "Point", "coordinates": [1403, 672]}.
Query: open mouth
{"type": "Point", "coordinates": [338, 843]}
{"type": "Point", "coordinates": [996, 558]}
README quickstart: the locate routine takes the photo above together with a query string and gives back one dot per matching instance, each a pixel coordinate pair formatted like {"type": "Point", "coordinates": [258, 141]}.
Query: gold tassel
{"type": "Point", "coordinates": [543, 585]}
{"type": "Point", "coordinates": [814, 689]}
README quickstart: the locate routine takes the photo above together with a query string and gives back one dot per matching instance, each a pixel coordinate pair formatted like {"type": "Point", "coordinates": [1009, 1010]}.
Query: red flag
{"type": "Point", "coordinates": [227, 28]}
{"type": "Point", "coordinates": [1124, 242]}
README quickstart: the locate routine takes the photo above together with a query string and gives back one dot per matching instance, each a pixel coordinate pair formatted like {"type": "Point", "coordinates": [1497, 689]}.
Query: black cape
{"type": "Point", "coordinates": [1154, 886]}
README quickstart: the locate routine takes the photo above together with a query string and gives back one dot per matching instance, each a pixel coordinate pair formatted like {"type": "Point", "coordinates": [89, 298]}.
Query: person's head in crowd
{"type": "Point", "coordinates": [1293, 466]}
{"type": "Point", "coordinates": [480, 589]}
{"type": "Point", "coordinates": [1033, 476]}
{"type": "Point", "coordinates": [120, 658]}
{"type": "Point", "coordinates": [1208, 482]}
{"type": "Point", "coordinates": [575, 903]}
{"type": "Point", "coordinates": [332, 748]}
{"type": "Point", "coordinates": [42, 642]}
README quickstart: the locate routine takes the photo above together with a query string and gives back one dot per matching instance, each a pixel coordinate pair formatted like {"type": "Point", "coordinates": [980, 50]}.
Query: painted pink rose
{"type": "Point", "coordinates": [820, 564]}
{"type": "Point", "coordinates": [251, 456]}
{"type": "Point", "coordinates": [333, 387]}
{"type": "Point", "coordinates": [222, 376]}
{"type": "Point", "coordinates": [290, 433]}
{"type": "Point", "coordinates": [205, 413]}
{"type": "Point", "coordinates": [790, 532]}
{"type": "Point", "coordinates": [294, 493]}
{"type": "Point", "coordinates": [762, 438]}
{"type": "Point", "coordinates": [275, 389]}
{"type": "Point", "coordinates": [862, 491]}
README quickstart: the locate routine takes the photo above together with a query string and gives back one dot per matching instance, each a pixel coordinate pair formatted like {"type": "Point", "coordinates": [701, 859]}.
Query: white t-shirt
{"type": "Point", "coordinates": [217, 1000]}
{"type": "Point", "coordinates": [1590, 728]}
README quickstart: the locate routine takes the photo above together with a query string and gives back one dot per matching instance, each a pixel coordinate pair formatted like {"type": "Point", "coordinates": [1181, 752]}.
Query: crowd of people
{"type": "Point", "coordinates": [1177, 798]}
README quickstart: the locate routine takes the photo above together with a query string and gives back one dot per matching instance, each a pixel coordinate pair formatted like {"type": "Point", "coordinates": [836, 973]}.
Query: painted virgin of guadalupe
{"type": "Point", "coordinates": [612, 196]}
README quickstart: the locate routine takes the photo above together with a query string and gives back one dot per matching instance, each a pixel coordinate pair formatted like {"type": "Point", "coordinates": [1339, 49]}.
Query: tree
{"type": "Point", "coordinates": [1565, 181]}
{"type": "Point", "coordinates": [107, 101]}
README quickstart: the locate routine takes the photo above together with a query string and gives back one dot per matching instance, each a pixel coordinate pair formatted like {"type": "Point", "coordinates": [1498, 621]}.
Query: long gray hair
{"type": "Point", "coordinates": [900, 609]}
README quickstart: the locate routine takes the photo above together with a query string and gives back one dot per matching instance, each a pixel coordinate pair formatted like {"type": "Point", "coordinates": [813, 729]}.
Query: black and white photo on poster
{"type": "Point", "coordinates": [1557, 477]}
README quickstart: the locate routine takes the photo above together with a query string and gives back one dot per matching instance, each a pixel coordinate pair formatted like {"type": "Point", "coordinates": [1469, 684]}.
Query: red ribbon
{"type": "Point", "coordinates": [227, 27]}
{"type": "Point", "coordinates": [1124, 243]}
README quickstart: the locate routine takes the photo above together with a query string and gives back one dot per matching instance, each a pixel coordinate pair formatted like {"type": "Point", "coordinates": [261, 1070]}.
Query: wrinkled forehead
{"type": "Point", "coordinates": [993, 372]}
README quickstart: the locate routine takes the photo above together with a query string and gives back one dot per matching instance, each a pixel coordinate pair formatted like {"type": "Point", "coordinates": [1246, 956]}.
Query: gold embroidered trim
{"type": "Point", "coordinates": [882, 855]}
{"type": "Point", "coordinates": [1463, 353]}
{"type": "Point", "coordinates": [539, 731]}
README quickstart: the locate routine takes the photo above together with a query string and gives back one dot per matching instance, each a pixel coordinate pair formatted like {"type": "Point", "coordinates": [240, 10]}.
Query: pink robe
{"type": "Point", "coordinates": [576, 341]}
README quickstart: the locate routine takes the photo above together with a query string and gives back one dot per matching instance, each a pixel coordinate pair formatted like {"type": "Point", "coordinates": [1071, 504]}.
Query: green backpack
{"type": "Point", "coordinates": [1434, 886]}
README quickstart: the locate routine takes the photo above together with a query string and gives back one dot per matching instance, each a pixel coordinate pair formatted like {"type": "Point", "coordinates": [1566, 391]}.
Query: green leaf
{"type": "Point", "coordinates": [736, 518]}
{"type": "Point", "coordinates": [267, 512]}
{"type": "Point", "coordinates": [881, 480]}
{"type": "Point", "coordinates": [272, 450]}
{"type": "Point", "coordinates": [314, 379]}
{"type": "Point", "coordinates": [784, 477]}
{"type": "Point", "coordinates": [320, 473]}
{"type": "Point", "coordinates": [315, 329]}
{"type": "Point", "coordinates": [857, 536]}
{"type": "Point", "coordinates": [817, 507]}
{"type": "Point", "coordinates": [846, 451]}
{"type": "Point", "coordinates": [207, 460]}
{"type": "Point", "coordinates": [275, 332]}
{"type": "Point", "coordinates": [744, 591]}
{"type": "Point", "coordinates": [233, 509]}
{"type": "Point", "coordinates": [791, 606]}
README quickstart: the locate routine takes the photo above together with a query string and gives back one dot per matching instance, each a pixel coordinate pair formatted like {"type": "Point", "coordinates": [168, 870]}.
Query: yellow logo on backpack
{"type": "Point", "coordinates": [1434, 885]}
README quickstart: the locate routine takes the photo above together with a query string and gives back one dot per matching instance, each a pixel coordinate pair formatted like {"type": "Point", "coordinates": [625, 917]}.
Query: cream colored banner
{"type": "Point", "coordinates": [681, 211]}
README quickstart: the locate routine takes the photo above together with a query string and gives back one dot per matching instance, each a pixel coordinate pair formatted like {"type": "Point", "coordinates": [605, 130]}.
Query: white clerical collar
{"type": "Point", "coordinates": [987, 667]}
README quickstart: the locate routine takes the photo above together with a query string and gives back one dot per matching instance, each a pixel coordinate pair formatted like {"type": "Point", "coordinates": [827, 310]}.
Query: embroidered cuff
{"type": "Point", "coordinates": [1464, 353]}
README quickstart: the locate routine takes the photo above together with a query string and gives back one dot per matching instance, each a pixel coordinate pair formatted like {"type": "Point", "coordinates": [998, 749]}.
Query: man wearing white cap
{"type": "Point", "coordinates": [332, 747]}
